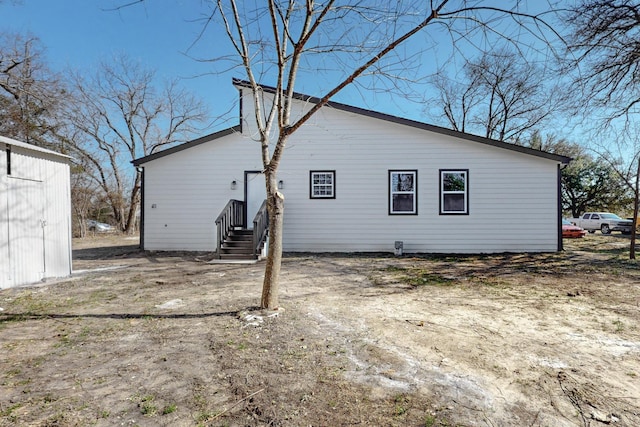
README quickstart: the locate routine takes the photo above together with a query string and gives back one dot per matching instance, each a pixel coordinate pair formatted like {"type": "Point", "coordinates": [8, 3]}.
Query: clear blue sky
{"type": "Point", "coordinates": [160, 34]}
{"type": "Point", "coordinates": [78, 34]}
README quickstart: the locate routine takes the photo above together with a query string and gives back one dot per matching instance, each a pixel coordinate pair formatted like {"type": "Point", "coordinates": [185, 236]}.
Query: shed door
{"type": "Point", "coordinates": [255, 193]}
{"type": "Point", "coordinates": [26, 230]}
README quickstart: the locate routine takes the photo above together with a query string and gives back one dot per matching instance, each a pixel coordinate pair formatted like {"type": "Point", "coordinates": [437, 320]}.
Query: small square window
{"type": "Point", "coordinates": [322, 184]}
{"type": "Point", "coordinates": [403, 192]}
{"type": "Point", "coordinates": [454, 192]}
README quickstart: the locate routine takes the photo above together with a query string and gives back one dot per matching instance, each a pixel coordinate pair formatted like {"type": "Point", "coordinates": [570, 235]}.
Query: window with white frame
{"type": "Point", "coordinates": [403, 192]}
{"type": "Point", "coordinates": [323, 184]}
{"type": "Point", "coordinates": [454, 192]}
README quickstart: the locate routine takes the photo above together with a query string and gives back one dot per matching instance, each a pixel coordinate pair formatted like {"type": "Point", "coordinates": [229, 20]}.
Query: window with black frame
{"type": "Point", "coordinates": [454, 192]}
{"type": "Point", "coordinates": [403, 192]}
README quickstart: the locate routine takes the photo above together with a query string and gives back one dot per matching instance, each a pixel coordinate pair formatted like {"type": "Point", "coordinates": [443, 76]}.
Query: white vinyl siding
{"type": "Point", "coordinates": [507, 187]}
{"type": "Point", "coordinates": [186, 191]}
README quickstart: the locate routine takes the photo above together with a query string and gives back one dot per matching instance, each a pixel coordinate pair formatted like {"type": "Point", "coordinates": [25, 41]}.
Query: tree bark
{"type": "Point", "coordinates": [634, 224]}
{"type": "Point", "coordinates": [275, 208]}
{"type": "Point", "coordinates": [134, 203]}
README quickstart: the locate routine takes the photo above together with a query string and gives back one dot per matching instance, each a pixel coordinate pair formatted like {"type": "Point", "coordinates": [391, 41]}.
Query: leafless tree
{"type": "Point", "coordinates": [604, 41]}
{"type": "Point", "coordinates": [455, 101]}
{"type": "Point", "coordinates": [30, 93]}
{"type": "Point", "coordinates": [120, 114]}
{"type": "Point", "coordinates": [281, 40]}
{"type": "Point", "coordinates": [501, 97]}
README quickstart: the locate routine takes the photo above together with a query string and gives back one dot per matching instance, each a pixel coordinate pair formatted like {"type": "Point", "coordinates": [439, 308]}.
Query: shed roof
{"type": "Point", "coordinates": [369, 113]}
{"type": "Point", "coordinates": [16, 143]}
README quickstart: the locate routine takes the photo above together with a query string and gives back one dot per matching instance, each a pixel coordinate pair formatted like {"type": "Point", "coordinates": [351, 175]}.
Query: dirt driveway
{"type": "Point", "coordinates": [169, 339]}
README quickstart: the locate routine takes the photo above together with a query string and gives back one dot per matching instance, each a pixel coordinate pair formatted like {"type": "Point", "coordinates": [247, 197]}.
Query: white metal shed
{"type": "Point", "coordinates": [35, 214]}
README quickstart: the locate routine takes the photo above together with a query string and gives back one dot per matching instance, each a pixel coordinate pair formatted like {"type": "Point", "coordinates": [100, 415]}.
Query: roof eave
{"type": "Point", "coordinates": [186, 145]}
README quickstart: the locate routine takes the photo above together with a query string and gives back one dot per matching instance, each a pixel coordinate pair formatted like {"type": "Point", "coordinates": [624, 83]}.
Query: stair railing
{"type": "Point", "coordinates": [230, 217]}
{"type": "Point", "coordinates": [260, 228]}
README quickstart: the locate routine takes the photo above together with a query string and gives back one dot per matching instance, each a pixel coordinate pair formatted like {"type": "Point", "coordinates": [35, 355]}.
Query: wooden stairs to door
{"type": "Point", "coordinates": [238, 245]}
{"type": "Point", "coordinates": [236, 241]}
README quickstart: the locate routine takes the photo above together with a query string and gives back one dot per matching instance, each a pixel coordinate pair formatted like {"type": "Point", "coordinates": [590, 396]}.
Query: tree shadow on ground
{"type": "Point", "coordinates": [20, 317]}
{"type": "Point", "coordinates": [134, 252]}
{"type": "Point", "coordinates": [108, 252]}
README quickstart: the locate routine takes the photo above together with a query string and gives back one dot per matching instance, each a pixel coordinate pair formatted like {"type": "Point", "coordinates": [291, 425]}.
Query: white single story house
{"type": "Point", "coordinates": [35, 214]}
{"type": "Point", "coordinates": [356, 180]}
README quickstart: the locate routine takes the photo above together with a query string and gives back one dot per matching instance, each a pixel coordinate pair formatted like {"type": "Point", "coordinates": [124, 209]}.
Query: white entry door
{"type": "Point", "coordinates": [255, 193]}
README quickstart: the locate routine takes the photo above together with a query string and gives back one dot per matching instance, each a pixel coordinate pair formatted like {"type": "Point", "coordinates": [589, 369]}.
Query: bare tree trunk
{"type": "Point", "coordinates": [82, 222]}
{"type": "Point", "coordinates": [134, 203]}
{"type": "Point", "coordinates": [130, 222]}
{"type": "Point", "coordinates": [634, 225]}
{"type": "Point", "coordinates": [275, 207]}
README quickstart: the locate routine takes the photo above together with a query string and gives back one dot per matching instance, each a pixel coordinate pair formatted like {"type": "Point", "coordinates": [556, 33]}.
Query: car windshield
{"type": "Point", "coordinates": [566, 222]}
{"type": "Point", "coordinates": [610, 216]}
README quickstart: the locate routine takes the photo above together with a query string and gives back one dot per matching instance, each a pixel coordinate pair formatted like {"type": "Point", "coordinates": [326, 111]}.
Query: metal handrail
{"type": "Point", "coordinates": [230, 217]}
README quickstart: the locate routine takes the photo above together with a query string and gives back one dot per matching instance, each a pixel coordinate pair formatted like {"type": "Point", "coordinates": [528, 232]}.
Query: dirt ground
{"type": "Point", "coordinates": [170, 339]}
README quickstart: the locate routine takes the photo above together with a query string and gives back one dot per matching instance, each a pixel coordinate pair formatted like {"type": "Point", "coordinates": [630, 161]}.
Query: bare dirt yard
{"type": "Point", "coordinates": [170, 339]}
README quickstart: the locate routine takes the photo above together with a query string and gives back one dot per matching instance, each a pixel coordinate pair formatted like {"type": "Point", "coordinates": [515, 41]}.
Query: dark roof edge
{"type": "Point", "coordinates": [184, 146]}
{"type": "Point", "coordinates": [416, 124]}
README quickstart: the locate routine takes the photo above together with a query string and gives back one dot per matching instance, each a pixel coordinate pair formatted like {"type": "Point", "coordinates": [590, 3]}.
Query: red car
{"type": "Point", "coordinates": [572, 231]}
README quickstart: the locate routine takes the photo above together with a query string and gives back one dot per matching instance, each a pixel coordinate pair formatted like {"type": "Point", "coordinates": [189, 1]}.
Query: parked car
{"type": "Point", "coordinates": [99, 227]}
{"type": "Point", "coordinates": [604, 221]}
{"type": "Point", "coordinates": [572, 231]}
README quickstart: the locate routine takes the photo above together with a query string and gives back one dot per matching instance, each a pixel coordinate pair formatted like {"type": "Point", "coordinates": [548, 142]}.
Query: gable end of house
{"type": "Point", "coordinates": [414, 124]}
{"type": "Point", "coordinates": [242, 84]}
